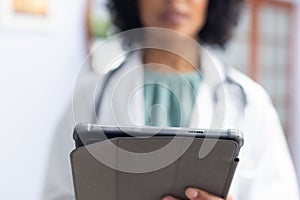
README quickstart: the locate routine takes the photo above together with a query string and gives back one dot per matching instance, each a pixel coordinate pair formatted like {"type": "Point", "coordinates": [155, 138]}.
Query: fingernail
{"type": "Point", "coordinates": [192, 193]}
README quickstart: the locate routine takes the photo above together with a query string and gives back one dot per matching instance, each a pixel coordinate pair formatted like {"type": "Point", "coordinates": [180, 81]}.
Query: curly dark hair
{"type": "Point", "coordinates": [222, 17]}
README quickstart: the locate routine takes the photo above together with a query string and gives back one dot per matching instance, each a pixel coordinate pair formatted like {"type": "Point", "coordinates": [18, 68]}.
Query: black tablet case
{"type": "Point", "coordinates": [94, 180]}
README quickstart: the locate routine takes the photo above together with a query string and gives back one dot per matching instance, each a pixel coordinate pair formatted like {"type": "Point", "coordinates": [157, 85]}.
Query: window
{"type": "Point", "coordinates": [262, 43]}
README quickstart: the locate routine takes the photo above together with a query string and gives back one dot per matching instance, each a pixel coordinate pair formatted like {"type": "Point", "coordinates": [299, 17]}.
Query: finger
{"type": "Point", "coordinates": [196, 194]}
{"type": "Point", "coordinates": [229, 197]}
{"type": "Point", "coordinates": [169, 198]}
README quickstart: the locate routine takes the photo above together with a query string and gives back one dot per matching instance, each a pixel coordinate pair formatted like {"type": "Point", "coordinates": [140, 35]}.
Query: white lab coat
{"type": "Point", "coordinates": [265, 170]}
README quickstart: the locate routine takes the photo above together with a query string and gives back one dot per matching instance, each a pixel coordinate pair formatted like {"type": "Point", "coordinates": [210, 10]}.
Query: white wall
{"type": "Point", "coordinates": [37, 75]}
{"type": "Point", "coordinates": [295, 94]}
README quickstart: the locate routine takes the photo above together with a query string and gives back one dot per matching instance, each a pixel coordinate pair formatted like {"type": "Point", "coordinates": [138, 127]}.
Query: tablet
{"type": "Point", "coordinates": [149, 163]}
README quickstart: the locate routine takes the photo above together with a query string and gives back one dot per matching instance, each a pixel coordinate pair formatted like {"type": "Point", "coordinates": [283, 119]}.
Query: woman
{"type": "Point", "coordinates": [266, 170]}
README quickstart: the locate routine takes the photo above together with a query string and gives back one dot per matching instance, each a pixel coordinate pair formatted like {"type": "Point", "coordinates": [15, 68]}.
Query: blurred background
{"type": "Point", "coordinates": [44, 42]}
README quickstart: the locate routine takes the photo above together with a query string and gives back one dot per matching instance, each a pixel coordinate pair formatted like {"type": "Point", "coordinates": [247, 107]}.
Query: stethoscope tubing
{"type": "Point", "coordinates": [227, 80]}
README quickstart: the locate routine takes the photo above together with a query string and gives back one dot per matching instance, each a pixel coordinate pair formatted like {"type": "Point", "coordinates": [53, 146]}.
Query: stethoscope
{"type": "Point", "coordinates": [228, 81]}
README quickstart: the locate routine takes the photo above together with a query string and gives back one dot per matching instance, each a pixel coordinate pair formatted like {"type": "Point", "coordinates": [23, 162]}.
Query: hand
{"type": "Point", "coordinates": [196, 194]}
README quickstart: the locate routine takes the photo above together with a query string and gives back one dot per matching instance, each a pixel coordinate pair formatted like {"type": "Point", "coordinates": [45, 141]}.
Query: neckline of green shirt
{"type": "Point", "coordinates": [169, 98]}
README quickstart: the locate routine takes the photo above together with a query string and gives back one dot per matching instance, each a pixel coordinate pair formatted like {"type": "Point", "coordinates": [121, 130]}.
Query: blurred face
{"type": "Point", "coordinates": [185, 16]}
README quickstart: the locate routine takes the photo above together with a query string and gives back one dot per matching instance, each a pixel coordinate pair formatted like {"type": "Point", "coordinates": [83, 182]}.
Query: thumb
{"type": "Point", "coordinates": [196, 194]}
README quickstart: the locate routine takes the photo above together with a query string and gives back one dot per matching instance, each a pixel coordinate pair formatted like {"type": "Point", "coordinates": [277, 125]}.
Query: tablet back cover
{"type": "Point", "coordinates": [95, 180]}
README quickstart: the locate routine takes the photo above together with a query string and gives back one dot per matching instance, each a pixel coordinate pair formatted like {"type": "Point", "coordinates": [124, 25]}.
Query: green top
{"type": "Point", "coordinates": [169, 98]}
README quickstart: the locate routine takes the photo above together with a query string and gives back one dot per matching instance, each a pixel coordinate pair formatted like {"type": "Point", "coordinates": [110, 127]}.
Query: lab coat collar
{"type": "Point", "coordinates": [213, 74]}
{"type": "Point", "coordinates": [212, 69]}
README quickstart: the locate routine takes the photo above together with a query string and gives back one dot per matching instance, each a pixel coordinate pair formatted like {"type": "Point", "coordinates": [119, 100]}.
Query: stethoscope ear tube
{"type": "Point", "coordinates": [105, 82]}
{"type": "Point", "coordinates": [231, 82]}
{"type": "Point", "coordinates": [227, 81]}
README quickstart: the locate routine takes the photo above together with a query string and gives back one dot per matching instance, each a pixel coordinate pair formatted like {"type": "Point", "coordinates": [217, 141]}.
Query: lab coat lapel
{"type": "Point", "coordinates": [128, 93]}
{"type": "Point", "coordinates": [208, 112]}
